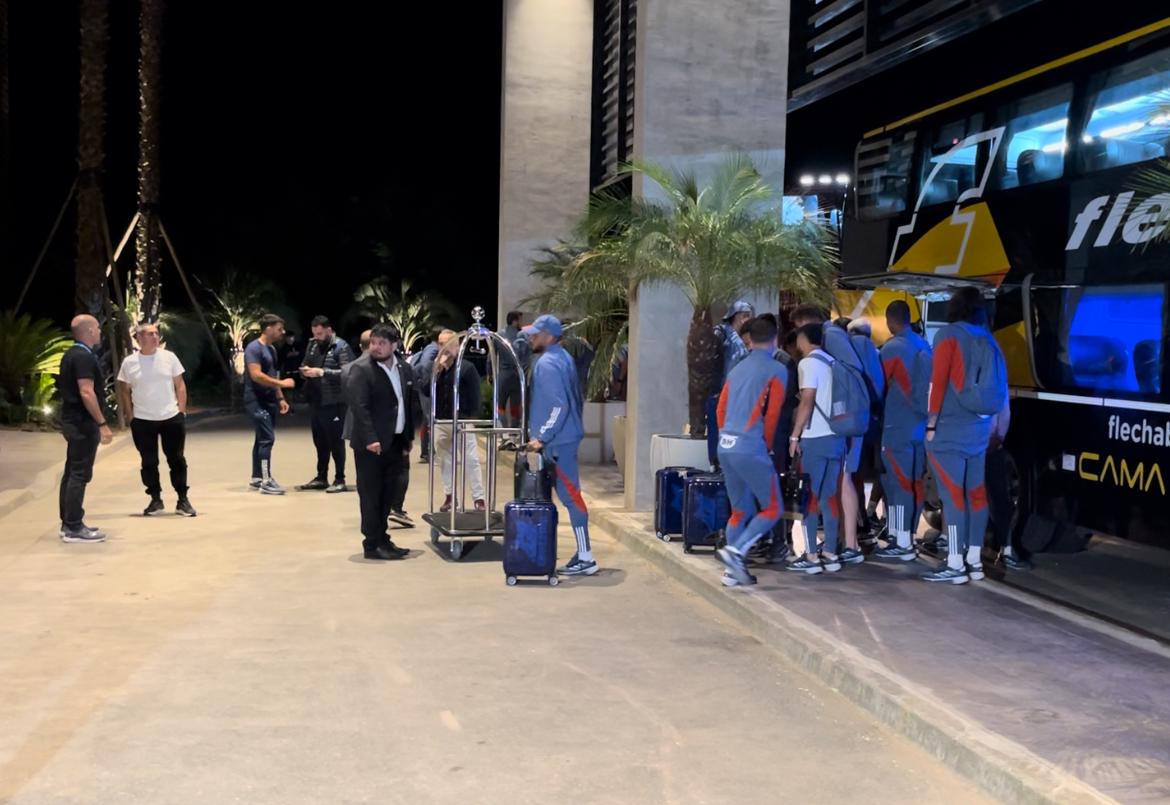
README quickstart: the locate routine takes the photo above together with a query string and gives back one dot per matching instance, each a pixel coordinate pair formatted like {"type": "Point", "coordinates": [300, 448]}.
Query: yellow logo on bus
{"type": "Point", "coordinates": [1120, 474]}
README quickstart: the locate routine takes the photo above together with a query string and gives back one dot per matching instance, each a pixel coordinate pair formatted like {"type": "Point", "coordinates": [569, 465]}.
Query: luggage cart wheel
{"type": "Point", "coordinates": [553, 581]}
{"type": "Point", "coordinates": [511, 581]}
{"type": "Point", "coordinates": [456, 548]}
{"type": "Point", "coordinates": [434, 536]}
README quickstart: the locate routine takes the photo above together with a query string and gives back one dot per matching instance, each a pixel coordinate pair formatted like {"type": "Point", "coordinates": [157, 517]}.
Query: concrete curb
{"type": "Point", "coordinates": [47, 481]}
{"type": "Point", "coordinates": [1003, 768]}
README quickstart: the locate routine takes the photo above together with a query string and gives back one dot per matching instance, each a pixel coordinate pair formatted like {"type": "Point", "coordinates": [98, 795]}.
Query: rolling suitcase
{"type": "Point", "coordinates": [534, 476]}
{"type": "Point", "coordinates": [706, 509]}
{"type": "Point", "coordinates": [668, 500]}
{"type": "Point", "coordinates": [530, 540]}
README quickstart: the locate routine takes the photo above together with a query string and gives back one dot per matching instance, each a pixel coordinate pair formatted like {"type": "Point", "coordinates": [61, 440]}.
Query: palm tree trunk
{"type": "Point", "coordinates": [148, 265]}
{"type": "Point", "coordinates": [90, 272]}
{"type": "Point", "coordinates": [704, 364]}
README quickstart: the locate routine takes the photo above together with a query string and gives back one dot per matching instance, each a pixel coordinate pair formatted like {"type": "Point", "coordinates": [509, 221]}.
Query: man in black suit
{"type": "Point", "coordinates": [380, 423]}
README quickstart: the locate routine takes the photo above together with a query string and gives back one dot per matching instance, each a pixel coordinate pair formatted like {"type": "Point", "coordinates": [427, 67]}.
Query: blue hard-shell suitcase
{"type": "Point", "coordinates": [668, 500]}
{"type": "Point", "coordinates": [530, 540]}
{"type": "Point", "coordinates": [706, 509]}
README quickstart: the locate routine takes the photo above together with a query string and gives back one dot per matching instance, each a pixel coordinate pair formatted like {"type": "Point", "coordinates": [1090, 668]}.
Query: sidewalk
{"type": "Point", "coordinates": [1033, 706]}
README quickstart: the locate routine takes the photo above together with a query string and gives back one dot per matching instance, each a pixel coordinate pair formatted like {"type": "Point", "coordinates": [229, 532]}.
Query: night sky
{"type": "Point", "coordinates": [294, 141]}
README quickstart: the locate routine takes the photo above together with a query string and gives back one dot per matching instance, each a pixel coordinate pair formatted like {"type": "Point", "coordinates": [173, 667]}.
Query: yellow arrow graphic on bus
{"type": "Point", "coordinates": [965, 244]}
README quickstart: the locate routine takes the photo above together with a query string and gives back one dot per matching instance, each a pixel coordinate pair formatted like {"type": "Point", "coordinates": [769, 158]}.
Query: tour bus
{"type": "Point", "coordinates": [1037, 189]}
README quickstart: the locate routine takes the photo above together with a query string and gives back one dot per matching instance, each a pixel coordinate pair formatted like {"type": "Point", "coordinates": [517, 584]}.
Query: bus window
{"type": "Point", "coordinates": [961, 170]}
{"type": "Point", "coordinates": [1131, 115]}
{"type": "Point", "coordinates": [1036, 138]}
{"type": "Point", "coordinates": [1099, 338]}
{"type": "Point", "coordinates": [883, 175]}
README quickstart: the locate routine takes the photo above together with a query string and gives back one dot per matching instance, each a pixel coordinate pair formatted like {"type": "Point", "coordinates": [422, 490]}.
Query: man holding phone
{"type": "Point", "coordinates": [264, 399]}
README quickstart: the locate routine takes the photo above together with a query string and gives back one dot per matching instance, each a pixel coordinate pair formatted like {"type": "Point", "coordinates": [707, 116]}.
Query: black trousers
{"type": "Point", "coordinates": [999, 499]}
{"type": "Point", "coordinates": [173, 435]}
{"type": "Point", "coordinates": [82, 439]}
{"type": "Point", "coordinates": [328, 422]}
{"type": "Point", "coordinates": [378, 479]}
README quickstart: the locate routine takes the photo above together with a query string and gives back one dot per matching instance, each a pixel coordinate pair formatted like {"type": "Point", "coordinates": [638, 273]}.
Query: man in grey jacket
{"type": "Point", "coordinates": [324, 359]}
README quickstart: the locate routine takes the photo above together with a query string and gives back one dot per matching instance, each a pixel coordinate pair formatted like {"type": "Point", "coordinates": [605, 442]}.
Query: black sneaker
{"type": "Point", "coordinates": [424, 459]}
{"type": "Point", "coordinates": [314, 485]}
{"type": "Point", "coordinates": [156, 505]}
{"type": "Point", "coordinates": [82, 534]}
{"type": "Point", "coordinates": [335, 487]}
{"type": "Point", "coordinates": [401, 518]}
{"type": "Point", "coordinates": [184, 508]}
{"type": "Point", "coordinates": [1016, 563]}
{"type": "Point", "coordinates": [84, 527]}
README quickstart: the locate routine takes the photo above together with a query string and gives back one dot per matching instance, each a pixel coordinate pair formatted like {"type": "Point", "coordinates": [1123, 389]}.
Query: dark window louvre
{"type": "Point", "coordinates": [614, 44]}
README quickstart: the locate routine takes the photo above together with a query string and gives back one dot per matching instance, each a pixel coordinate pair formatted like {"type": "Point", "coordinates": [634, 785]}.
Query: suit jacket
{"type": "Point", "coordinates": [372, 405]}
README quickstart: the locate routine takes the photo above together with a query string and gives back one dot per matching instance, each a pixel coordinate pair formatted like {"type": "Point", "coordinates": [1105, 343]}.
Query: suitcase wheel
{"type": "Point", "coordinates": [688, 549]}
{"type": "Point", "coordinates": [553, 581]}
{"type": "Point", "coordinates": [456, 548]}
{"type": "Point", "coordinates": [664, 537]}
{"type": "Point", "coordinates": [511, 581]}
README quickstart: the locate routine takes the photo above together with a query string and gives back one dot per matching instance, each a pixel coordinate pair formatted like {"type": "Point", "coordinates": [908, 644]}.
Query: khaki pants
{"type": "Point", "coordinates": [471, 468]}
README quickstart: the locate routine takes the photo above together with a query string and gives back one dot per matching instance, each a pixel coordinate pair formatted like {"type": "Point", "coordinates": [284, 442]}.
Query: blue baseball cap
{"type": "Point", "coordinates": [735, 308]}
{"type": "Point", "coordinates": [545, 324]}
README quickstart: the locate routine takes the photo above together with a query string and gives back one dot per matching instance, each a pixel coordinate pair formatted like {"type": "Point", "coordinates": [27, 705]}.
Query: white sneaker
{"type": "Point", "coordinates": [256, 483]}
{"type": "Point", "coordinates": [271, 487]}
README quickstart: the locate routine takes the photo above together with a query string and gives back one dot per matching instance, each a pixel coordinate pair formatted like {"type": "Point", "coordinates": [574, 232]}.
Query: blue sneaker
{"type": "Point", "coordinates": [948, 575]}
{"type": "Point", "coordinates": [896, 552]}
{"type": "Point", "coordinates": [733, 561]}
{"type": "Point", "coordinates": [579, 567]}
{"type": "Point", "coordinates": [805, 565]}
{"type": "Point", "coordinates": [852, 556]}
{"type": "Point", "coordinates": [1012, 562]}
{"type": "Point", "coordinates": [830, 563]}
{"type": "Point", "coordinates": [975, 572]}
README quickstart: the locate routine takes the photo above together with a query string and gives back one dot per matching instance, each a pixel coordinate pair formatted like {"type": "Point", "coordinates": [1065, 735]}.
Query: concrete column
{"type": "Point", "coordinates": [545, 132]}
{"type": "Point", "coordinates": [710, 78]}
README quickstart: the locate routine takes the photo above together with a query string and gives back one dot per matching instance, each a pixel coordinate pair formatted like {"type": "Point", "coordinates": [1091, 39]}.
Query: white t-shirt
{"type": "Point", "coordinates": [816, 374]}
{"type": "Point", "coordinates": [392, 371]}
{"type": "Point", "coordinates": [152, 384]}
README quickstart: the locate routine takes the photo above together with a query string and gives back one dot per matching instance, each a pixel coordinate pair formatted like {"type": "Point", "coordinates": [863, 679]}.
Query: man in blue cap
{"type": "Point", "coordinates": [555, 427]}
{"type": "Point", "coordinates": [731, 342]}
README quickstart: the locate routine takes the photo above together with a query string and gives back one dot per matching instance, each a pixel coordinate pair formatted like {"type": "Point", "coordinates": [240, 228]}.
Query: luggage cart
{"type": "Point", "coordinates": [460, 524]}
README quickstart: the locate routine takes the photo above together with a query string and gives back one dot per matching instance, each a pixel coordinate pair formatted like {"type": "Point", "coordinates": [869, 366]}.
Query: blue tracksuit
{"type": "Point", "coordinates": [959, 446]}
{"type": "Point", "coordinates": [839, 345]}
{"type": "Point", "coordinates": [749, 415]}
{"type": "Point", "coordinates": [556, 422]}
{"type": "Point", "coordinates": [903, 431]}
{"type": "Point", "coordinates": [733, 348]}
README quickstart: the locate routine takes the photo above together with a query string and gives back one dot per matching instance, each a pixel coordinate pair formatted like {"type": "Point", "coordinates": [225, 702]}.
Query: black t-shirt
{"type": "Point", "coordinates": [78, 363]}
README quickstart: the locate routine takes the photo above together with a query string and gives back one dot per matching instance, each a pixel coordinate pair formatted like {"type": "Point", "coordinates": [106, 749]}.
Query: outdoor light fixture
{"type": "Point", "coordinates": [807, 180]}
{"type": "Point", "coordinates": [842, 178]}
{"type": "Point", "coordinates": [46, 409]}
{"type": "Point", "coordinates": [825, 178]}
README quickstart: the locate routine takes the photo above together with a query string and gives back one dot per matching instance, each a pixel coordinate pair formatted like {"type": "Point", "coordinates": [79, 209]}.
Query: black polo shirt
{"type": "Point", "coordinates": [78, 363]}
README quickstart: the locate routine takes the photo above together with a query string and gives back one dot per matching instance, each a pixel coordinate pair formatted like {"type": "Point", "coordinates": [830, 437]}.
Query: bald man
{"type": "Point", "coordinates": [83, 424]}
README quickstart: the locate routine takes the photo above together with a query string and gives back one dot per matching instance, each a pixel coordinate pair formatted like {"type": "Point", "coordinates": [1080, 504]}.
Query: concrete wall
{"type": "Point", "coordinates": [545, 132]}
{"type": "Point", "coordinates": [711, 78]}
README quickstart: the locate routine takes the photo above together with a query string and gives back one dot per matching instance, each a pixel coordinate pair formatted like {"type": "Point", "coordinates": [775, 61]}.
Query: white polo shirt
{"type": "Point", "coordinates": [152, 384]}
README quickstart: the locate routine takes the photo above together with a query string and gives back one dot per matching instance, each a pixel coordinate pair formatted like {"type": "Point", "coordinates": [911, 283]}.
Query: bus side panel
{"type": "Point", "coordinates": [1104, 468]}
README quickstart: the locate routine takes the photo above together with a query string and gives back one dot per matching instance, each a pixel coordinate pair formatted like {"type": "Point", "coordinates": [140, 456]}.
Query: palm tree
{"type": "Point", "coordinates": [30, 356]}
{"type": "Point", "coordinates": [148, 254]}
{"type": "Point", "coordinates": [715, 242]}
{"type": "Point", "coordinates": [237, 304]}
{"type": "Point", "coordinates": [90, 273]}
{"type": "Point", "coordinates": [412, 314]}
{"type": "Point", "coordinates": [595, 298]}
